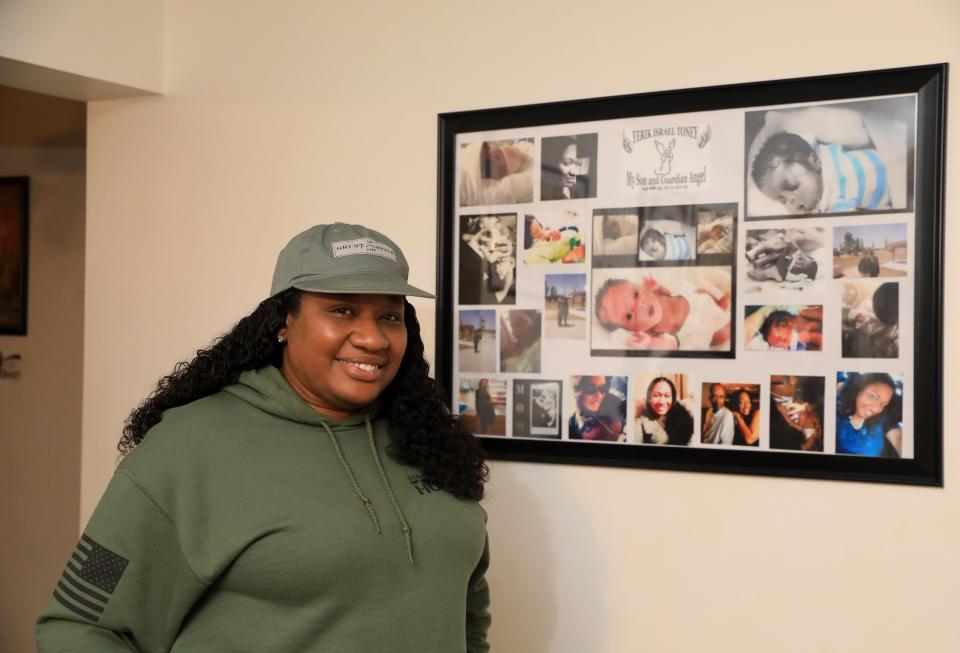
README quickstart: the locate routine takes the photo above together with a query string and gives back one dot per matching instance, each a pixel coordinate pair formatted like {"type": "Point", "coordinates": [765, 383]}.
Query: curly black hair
{"type": "Point", "coordinates": [424, 433]}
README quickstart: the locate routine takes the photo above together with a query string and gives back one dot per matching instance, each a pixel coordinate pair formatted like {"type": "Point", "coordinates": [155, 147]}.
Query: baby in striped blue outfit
{"type": "Point", "coordinates": [821, 160]}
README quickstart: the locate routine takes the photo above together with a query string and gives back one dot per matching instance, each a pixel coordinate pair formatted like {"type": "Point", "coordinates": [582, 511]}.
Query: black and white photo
{"type": "Point", "coordinates": [537, 409]}
{"type": "Point", "coordinates": [488, 259]}
{"type": "Point", "coordinates": [846, 157]}
{"type": "Point", "coordinates": [568, 167]}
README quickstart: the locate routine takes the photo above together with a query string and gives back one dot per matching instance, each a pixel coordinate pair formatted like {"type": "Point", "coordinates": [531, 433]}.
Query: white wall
{"type": "Point", "coordinates": [43, 138]}
{"type": "Point", "coordinates": [280, 115]}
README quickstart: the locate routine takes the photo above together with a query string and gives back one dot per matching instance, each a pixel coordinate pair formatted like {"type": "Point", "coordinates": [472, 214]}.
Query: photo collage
{"type": "Point", "coordinates": [736, 279]}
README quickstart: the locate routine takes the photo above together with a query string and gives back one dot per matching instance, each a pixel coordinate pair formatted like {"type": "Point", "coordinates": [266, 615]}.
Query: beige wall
{"type": "Point", "coordinates": [82, 50]}
{"type": "Point", "coordinates": [42, 137]}
{"type": "Point", "coordinates": [279, 115]}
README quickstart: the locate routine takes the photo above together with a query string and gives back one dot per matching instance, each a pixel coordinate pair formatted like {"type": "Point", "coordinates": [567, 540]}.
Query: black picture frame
{"type": "Point", "coordinates": [928, 84]}
{"type": "Point", "coordinates": [14, 254]}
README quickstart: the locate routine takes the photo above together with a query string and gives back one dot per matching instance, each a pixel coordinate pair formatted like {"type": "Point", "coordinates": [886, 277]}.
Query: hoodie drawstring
{"type": "Point", "coordinates": [368, 504]}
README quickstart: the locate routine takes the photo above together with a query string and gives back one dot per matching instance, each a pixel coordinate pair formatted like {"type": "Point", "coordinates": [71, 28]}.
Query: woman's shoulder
{"type": "Point", "coordinates": [187, 435]}
{"type": "Point", "coordinates": [210, 415]}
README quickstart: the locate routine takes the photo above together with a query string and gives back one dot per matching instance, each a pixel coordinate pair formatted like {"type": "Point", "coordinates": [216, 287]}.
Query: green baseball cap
{"type": "Point", "coordinates": [343, 258]}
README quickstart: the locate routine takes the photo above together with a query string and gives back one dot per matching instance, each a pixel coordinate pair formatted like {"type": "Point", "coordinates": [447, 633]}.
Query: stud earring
{"type": "Point", "coordinates": [280, 338]}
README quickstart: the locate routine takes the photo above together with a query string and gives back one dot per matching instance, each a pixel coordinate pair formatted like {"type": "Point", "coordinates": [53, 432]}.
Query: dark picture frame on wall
{"type": "Point", "coordinates": [738, 279]}
{"type": "Point", "coordinates": [14, 248]}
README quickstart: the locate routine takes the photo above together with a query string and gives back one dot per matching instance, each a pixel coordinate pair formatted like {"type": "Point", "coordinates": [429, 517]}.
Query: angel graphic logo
{"type": "Point", "coordinates": [666, 157]}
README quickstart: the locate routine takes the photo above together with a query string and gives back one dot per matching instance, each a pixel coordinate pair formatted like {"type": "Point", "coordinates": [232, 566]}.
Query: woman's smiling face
{"type": "Point", "coordinates": [661, 398]}
{"type": "Point", "coordinates": [343, 350]}
{"type": "Point", "coordinates": [873, 400]}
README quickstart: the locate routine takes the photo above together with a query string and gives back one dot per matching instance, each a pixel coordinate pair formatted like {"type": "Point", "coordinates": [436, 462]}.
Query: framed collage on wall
{"type": "Point", "coordinates": [741, 279]}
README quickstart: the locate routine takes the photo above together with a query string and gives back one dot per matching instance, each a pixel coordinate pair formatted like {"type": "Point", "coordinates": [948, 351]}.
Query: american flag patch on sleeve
{"type": "Point", "coordinates": [90, 578]}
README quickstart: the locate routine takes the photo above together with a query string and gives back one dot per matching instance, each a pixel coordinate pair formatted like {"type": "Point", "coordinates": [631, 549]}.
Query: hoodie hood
{"type": "Point", "coordinates": [267, 390]}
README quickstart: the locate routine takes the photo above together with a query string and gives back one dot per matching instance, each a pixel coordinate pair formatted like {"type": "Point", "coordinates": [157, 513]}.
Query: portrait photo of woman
{"type": "Point", "coordinates": [869, 414]}
{"type": "Point", "coordinates": [663, 415]}
{"type": "Point", "coordinates": [568, 167]}
{"type": "Point", "coordinates": [599, 408]}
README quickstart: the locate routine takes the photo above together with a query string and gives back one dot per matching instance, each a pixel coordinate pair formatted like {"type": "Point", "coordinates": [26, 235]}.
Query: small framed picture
{"type": "Point", "coordinates": [14, 247]}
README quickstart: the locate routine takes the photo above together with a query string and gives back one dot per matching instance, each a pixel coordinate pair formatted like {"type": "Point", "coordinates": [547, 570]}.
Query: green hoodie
{"type": "Point", "coordinates": [238, 525]}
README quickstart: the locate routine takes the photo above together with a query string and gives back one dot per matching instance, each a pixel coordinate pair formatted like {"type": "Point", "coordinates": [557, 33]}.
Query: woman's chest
{"type": "Point", "coordinates": [306, 535]}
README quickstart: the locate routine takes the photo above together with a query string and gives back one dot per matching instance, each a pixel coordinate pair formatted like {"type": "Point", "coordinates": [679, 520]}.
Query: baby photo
{"type": "Point", "coordinates": [477, 348]}
{"type": "Point", "coordinates": [520, 337]}
{"type": "Point", "coordinates": [663, 410]}
{"type": "Point", "coordinates": [716, 229]}
{"type": "Point", "coordinates": [598, 408]}
{"type": "Point", "coordinates": [796, 412]}
{"type": "Point", "coordinates": [642, 311]}
{"type": "Point", "coordinates": [830, 158]}
{"type": "Point", "coordinates": [496, 172]}
{"type": "Point", "coordinates": [870, 319]}
{"type": "Point", "coordinates": [783, 328]}
{"type": "Point", "coordinates": [553, 236]}
{"type": "Point", "coordinates": [565, 306]}
{"type": "Point", "coordinates": [870, 250]}
{"type": "Point", "coordinates": [788, 259]}
{"type": "Point", "coordinates": [483, 405]}
{"type": "Point", "coordinates": [568, 167]}
{"type": "Point", "coordinates": [488, 259]}
{"type": "Point", "coordinates": [869, 414]}
{"type": "Point", "coordinates": [616, 237]}
{"type": "Point", "coordinates": [668, 233]}
{"type": "Point", "coordinates": [730, 414]}
{"type": "Point", "coordinates": [536, 409]}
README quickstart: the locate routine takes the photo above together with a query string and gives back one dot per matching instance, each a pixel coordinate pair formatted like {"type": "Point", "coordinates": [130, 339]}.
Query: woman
{"type": "Point", "coordinates": [746, 420]}
{"type": "Point", "coordinates": [601, 408]}
{"type": "Point", "coordinates": [485, 412]}
{"type": "Point", "coordinates": [868, 416]}
{"type": "Point", "coordinates": [665, 420]}
{"type": "Point", "coordinates": [560, 169]}
{"type": "Point", "coordinates": [298, 486]}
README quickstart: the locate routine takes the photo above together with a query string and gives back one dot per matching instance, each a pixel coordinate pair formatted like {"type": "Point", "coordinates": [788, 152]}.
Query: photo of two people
{"type": "Point", "coordinates": [730, 414]}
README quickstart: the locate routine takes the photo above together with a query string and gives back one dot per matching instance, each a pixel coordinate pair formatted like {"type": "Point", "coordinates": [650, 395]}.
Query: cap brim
{"type": "Point", "coordinates": [365, 284]}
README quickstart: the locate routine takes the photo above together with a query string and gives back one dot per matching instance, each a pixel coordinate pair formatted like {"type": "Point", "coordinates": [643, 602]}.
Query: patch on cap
{"type": "Point", "coordinates": [363, 246]}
